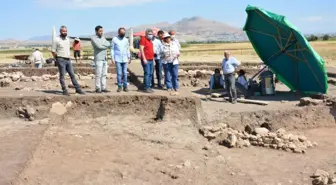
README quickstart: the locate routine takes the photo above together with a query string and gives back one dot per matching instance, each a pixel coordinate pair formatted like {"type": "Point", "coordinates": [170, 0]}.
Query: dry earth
{"type": "Point", "coordinates": [136, 138]}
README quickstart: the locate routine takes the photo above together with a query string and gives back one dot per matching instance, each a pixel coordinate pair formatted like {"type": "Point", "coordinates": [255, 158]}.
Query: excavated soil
{"type": "Point", "coordinates": [51, 70]}
{"type": "Point", "coordinates": [134, 138]}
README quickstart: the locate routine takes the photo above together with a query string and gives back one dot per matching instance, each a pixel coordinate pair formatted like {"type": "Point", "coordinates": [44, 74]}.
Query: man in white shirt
{"type": "Point", "coordinates": [61, 51]}
{"type": "Point", "coordinates": [37, 58]}
{"type": "Point", "coordinates": [229, 66]}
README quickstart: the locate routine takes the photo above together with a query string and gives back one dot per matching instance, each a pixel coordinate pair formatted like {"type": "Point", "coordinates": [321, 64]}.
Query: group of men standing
{"type": "Point", "coordinates": [163, 50]}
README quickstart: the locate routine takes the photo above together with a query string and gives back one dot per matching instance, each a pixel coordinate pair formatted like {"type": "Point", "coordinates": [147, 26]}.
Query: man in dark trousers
{"type": "Point", "coordinates": [61, 52]}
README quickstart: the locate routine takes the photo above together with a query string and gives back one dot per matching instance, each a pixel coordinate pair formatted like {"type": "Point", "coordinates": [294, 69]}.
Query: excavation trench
{"type": "Point", "coordinates": [147, 139]}
{"type": "Point", "coordinates": [128, 139]}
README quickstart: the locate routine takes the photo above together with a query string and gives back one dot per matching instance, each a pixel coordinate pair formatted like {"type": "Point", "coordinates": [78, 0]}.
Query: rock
{"type": "Point", "coordinates": [195, 82]}
{"type": "Point", "coordinates": [18, 88]}
{"type": "Point", "coordinates": [69, 104]}
{"type": "Point", "coordinates": [309, 144]}
{"type": "Point", "coordinates": [232, 140]}
{"type": "Point", "coordinates": [15, 77]}
{"type": "Point", "coordinates": [315, 144]}
{"type": "Point", "coordinates": [44, 122]}
{"type": "Point", "coordinates": [320, 173]}
{"type": "Point", "coordinates": [248, 129]}
{"type": "Point", "coordinates": [210, 135]}
{"type": "Point", "coordinates": [25, 79]}
{"type": "Point", "coordinates": [247, 143]}
{"type": "Point", "coordinates": [277, 141]}
{"type": "Point", "coordinates": [302, 138]}
{"type": "Point", "coordinates": [5, 82]}
{"type": "Point", "coordinates": [30, 111]}
{"type": "Point", "coordinates": [2, 76]}
{"type": "Point", "coordinates": [58, 109]}
{"type": "Point", "coordinates": [31, 118]}
{"type": "Point", "coordinates": [261, 131]}
{"type": "Point", "coordinates": [53, 77]}
{"type": "Point", "coordinates": [292, 146]}
{"type": "Point", "coordinates": [182, 73]}
{"type": "Point", "coordinates": [35, 78]}
{"type": "Point", "coordinates": [297, 150]}
{"type": "Point", "coordinates": [187, 163]}
{"type": "Point", "coordinates": [305, 101]}
{"type": "Point", "coordinates": [294, 138]}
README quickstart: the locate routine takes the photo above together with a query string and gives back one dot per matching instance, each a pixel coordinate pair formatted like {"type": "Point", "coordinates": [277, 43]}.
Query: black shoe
{"type": "Point", "coordinates": [119, 89]}
{"type": "Point", "coordinates": [105, 91]}
{"type": "Point", "coordinates": [66, 93]}
{"type": "Point", "coordinates": [125, 89]}
{"type": "Point", "coordinates": [98, 91]}
{"type": "Point", "coordinates": [79, 91]}
{"type": "Point", "coordinates": [160, 87]}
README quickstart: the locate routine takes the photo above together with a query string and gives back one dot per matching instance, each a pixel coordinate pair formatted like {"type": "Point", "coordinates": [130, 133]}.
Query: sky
{"type": "Point", "coordinates": [22, 19]}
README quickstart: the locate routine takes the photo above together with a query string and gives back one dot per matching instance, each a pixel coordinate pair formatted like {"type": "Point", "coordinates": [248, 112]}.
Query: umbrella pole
{"type": "Point", "coordinates": [258, 72]}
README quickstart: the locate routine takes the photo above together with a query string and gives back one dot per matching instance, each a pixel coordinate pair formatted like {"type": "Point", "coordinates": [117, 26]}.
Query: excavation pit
{"type": "Point", "coordinates": [136, 138]}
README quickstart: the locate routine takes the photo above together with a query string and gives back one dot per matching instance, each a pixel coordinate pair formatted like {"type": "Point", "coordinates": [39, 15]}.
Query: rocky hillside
{"type": "Point", "coordinates": [197, 29]}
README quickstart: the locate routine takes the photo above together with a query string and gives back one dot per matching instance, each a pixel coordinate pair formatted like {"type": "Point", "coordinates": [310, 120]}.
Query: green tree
{"type": "Point", "coordinates": [326, 37]}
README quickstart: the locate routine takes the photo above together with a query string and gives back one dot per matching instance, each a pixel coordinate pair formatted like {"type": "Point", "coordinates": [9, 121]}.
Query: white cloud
{"type": "Point", "coordinates": [83, 4]}
{"type": "Point", "coordinates": [313, 19]}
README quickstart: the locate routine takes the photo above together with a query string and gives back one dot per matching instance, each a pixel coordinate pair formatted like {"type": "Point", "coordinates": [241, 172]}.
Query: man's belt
{"type": "Point", "coordinates": [63, 58]}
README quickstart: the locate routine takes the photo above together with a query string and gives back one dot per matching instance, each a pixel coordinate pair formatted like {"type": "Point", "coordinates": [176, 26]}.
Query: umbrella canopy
{"type": "Point", "coordinates": [143, 33]}
{"type": "Point", "coordinates": [286, 51]}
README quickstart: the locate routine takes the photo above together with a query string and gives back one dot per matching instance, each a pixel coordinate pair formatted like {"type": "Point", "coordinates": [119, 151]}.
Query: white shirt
{"type": "Point", "coordinates": [230, 65]}
{"type": "Point", "coordinates": [37, 57]}
{"type": "Point", "coordinates": [157, 44]}
{"type": "Point", "coordinates": [61, 47]}
{"type": "Point", "coordinates": [169, 53]}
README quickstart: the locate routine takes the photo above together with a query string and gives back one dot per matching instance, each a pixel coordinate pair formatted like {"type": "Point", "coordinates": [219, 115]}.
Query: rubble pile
{"type": "Point", "coordinates": [321, 177]}
{"type": "Point", "coordinates": [262, 137]}
{"type": "Point", "coordinates": [26, 113]}
{"type": "Point", "coordinates": [306, 101]}
{"type": "Point", "coordinates": [195, 73]}
{"type": "Point", "coordinates": [7, 78]}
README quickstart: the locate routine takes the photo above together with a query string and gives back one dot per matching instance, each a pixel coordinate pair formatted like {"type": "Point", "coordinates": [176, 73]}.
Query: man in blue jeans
{"type": "Point", "coordinates": [147, 59]}
{"type": "Point", "coordinates": [121, 57]}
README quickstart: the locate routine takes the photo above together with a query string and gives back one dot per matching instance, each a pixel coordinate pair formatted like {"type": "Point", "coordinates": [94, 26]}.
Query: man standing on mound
{"type": "Point", "coordinates": [100, 45]}
{"type": "Point", "coordinates": [121, 57]}
{"type": "Point", "coordinates": [61, 52]}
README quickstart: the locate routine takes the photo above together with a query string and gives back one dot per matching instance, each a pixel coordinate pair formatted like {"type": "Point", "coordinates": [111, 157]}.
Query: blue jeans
{"type": "Point", "coordinates": [158, 72]}
{"type": "Point", "coordinates": [148, 73]}
{"type": "Point", "coordinates": [38, 65]}
{"type": "Point", "coordinates": [101, 73]}
{"type": "Point", "coordinates": [122, 73]}
{"type": "Point", "coordinates": [171, 76]}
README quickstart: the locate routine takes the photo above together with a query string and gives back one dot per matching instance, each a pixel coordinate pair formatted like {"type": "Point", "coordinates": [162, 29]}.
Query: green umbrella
{"type": "Point", "coordinates": [286, 51]}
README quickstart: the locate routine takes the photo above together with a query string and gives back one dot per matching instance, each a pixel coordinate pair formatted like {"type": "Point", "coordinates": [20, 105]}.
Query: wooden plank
{"type": "Point", "coordinates": [258, 102]}
{"type": "Point", "coordinates": [218, 95]}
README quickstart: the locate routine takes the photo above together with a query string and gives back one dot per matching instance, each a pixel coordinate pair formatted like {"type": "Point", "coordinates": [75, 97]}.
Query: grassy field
{"type": "Point", "coordinates": [209, 52]}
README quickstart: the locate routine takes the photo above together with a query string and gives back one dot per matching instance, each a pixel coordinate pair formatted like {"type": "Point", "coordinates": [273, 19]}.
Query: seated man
{"type": "Point", "coordinates": [216, 81]}
{"type": "Point", "coordinates": [242, 79]}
